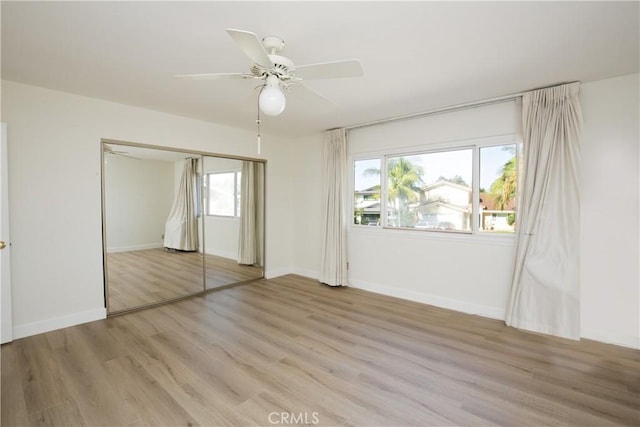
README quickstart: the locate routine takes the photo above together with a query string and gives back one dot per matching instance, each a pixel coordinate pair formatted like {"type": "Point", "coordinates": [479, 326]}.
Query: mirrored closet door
{"type": "Point", "coordinates": [178, 223]}
{"type": "Point", "coordinates": [233, 193]}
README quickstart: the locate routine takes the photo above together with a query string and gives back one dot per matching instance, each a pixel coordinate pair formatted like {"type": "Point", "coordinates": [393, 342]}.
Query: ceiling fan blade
{"type": "Point", "coordinates": [330, 70]}
{"type": "Point", "coordinates": [214, 76]}
{"type": "Point", "coordinates": [251, 45]}
{"type": "Point", "coordinates": [304, 95]}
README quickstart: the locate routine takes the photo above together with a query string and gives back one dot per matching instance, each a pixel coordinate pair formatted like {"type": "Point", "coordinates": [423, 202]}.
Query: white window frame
{"type": "Point", "coordinates": [474, 144]}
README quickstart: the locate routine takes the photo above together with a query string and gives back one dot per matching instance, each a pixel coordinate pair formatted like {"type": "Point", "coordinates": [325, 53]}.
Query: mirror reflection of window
{"type": "Point", "coordinates": [223, 193]}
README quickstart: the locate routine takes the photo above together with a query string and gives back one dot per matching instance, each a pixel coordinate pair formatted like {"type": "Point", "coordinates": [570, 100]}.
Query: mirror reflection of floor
{"type": "Point", "coordinates": [139, 278]}
{"type": "Point", "coordinates": [224, 271]}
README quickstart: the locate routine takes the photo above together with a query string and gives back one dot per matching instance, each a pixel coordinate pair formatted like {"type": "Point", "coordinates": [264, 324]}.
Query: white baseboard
{"type": "Point", "coordinates": [270, 274]}
{"type": "Point", "coordinates": [612, 338]}
{"type": "Point", "coordinates": [442, 302]}
{"type": "Point", "coordinates": [28, 329]}
{"type": "Point", "coordinates": [306, 273]}
{"type": "Point", "coordinates": [134, 248]}
{"type": "Point", "coordinates": [451, 304]}
{"type": "Point", "coordinates": [222, 254]}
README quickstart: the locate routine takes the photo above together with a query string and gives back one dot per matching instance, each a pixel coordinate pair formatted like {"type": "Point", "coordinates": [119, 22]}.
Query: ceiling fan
{"type": "Point", "coordinates": [277, 72]}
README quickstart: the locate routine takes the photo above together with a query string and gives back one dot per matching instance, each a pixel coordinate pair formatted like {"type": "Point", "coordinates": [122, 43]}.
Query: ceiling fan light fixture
{"type": "Point", "coordinates": [272, 101]}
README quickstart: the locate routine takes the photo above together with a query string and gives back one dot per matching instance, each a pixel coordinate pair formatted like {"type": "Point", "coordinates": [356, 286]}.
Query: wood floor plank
{"type": "Point", "coordinates": [154, 405]}
{"type": "Point", "coordinates": [14, 408]}
{"type": "Point", "coordinates": [65, 414]}
{"type": "Point", "coordinates": [43, 381]}
{"type": "Point", "coordinates": [209, 364]}
{"type": "Point", "coordinates": [195, 395]}
{"type": "Point", "coordinates": [92, 388]}
{"type": "Point", "coordinates": [307, 352]}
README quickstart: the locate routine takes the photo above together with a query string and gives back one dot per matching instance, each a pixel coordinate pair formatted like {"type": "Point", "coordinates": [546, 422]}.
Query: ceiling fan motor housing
{"type": "Point", "coordinates": [273, 44]}
{"type": "Point", "coordinates": [282, 66]}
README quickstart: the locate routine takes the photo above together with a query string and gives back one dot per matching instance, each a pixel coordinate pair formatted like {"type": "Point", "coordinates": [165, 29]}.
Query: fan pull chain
{"type": "Point", "coordinates": [258, 121]}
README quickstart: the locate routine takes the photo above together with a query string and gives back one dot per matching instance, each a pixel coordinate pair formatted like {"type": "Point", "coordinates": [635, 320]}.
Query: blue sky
{"type": "Point", "coordinates": [447, 164]}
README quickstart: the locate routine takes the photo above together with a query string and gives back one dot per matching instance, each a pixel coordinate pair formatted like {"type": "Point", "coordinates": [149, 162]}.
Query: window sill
{"type": "Point", "coordinates": [223, 217]}
{"type": "Point", "coordinates": [498, 239]}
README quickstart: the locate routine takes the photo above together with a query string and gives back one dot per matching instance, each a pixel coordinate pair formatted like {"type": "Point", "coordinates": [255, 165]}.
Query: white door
{"type": "Point", "coordinates": [6, 329]}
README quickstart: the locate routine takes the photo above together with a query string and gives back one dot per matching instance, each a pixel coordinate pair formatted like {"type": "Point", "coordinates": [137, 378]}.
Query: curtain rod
{"type": "Point", "coordinates": [457, 107]}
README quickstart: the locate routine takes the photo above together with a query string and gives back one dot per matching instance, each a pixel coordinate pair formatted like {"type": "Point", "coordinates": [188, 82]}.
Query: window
{"type": "Point", "coordinates": [464, 189]}
{"type": "Point", "coordinates": [222, 190]}
{"type": "Point", "coordinates": [498, 187]}
{"type": "Point", "coordinates": [366, 200]}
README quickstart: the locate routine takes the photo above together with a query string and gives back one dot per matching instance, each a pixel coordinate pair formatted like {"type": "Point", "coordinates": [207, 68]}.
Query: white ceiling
{"type": "Point", "coordinates": [416, 56]}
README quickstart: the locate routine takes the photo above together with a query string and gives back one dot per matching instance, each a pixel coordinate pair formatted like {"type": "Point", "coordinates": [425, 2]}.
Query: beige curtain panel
{"type": "Point", "coordinates": [333, 261]}
{"type": "Point", "coordinates": [545, 290]}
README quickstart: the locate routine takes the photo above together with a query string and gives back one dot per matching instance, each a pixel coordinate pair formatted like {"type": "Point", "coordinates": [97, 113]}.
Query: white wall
{"type": "Point", "coordinates": [610, 256]}
{"type": "Point", "coordinates": [55, 203]}
{"type": "Point", "coordinates": [413, 266]}
{"type": "Point", "coordinates": [138, 198]}
{"type": "Point", "coordinates": [307, 204]}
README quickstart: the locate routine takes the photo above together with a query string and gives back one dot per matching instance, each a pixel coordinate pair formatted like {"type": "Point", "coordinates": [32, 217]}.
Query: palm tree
{"type": "Point", "coordinates": [504, 188]}
{"type": "Point", "coordinates": [404, 182]}
{"type": "Point", "coordinates": [404, 187]}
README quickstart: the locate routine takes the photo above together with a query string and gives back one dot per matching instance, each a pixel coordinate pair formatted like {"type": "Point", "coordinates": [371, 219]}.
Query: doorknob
{"type": "Point", "coordinates": [2, 244]}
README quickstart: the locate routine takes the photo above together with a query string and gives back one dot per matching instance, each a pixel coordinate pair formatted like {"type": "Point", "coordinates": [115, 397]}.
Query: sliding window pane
{"type": "Point", "coordinates": [366, 203]}
{"type": "Point", "coordinates": [498, 186]}
{"type": "Point", "coordinates": [431, 190]}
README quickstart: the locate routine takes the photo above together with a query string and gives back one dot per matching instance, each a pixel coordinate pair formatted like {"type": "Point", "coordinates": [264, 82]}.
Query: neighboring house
{"type": "Point", "coordinates": [443, 215]}
{"type": "Point", "coordinates": [448, 192]}
{"type": "Point", "coordinates": [367, 206]}
{"type": "Point", "coordinates": [495, 219]}
{"type": "Point", "coordinates": [443, 205]}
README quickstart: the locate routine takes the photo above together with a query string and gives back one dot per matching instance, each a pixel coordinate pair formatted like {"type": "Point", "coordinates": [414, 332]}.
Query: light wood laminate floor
{"type": "Point", "coordinates": [290, 349]}
{"type": "Point", "coordinates": [143, 277]}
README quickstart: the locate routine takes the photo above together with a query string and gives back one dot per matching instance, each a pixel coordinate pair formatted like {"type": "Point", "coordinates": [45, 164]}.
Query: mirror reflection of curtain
{"type": "Point", "coordinates": [250, 244]}
{"type": "Point", "coordinates": [181, 228]}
